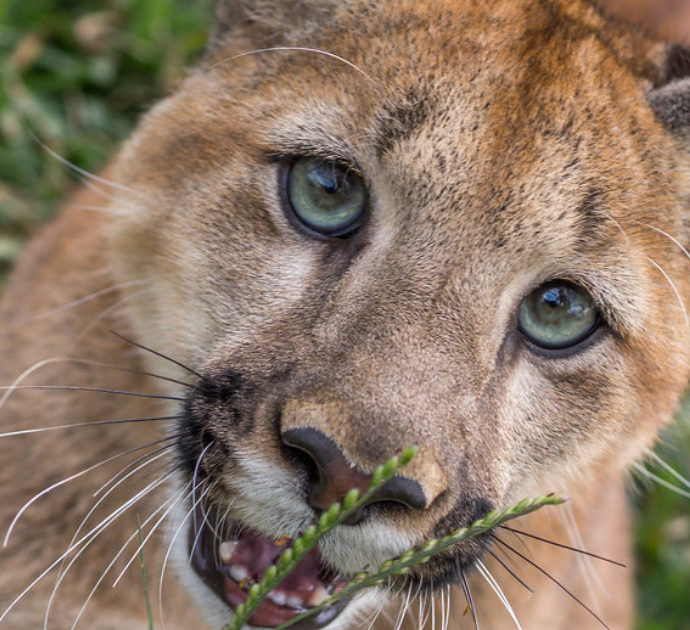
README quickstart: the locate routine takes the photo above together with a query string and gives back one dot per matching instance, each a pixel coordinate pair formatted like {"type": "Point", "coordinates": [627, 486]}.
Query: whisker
{"type": "Point", "coordinates": [101, 390]}
{"type": "Point", "coordinates": [317, 51]}
{"type": "Point", "coordinates": [468, 598]}
{"type": "Point", "coordinates": [154, 456]}
{"type": "Point", "coordinates": [95, 423]}
{"type": "Point", "coordinates": [660, 481]}
{"type": "Point", "coordinates": [76, 169]}
{"type": "Point", "coordinates": [87, 539]}
{"type": "Point", "coordinates": [119, 368]}
{"type": "Point", "coordinates": [147, 538]}
{"type": "Point", "coordinates": [562, 546]}
{"type": "Point", "coordinates": [170, 548]}
{"type": "Point", "coordinates": [667, 468]}
{"type": "Point", "coordinates": [89, 597]}
{"type": "Point", "coordinates": [674, 289]}
{"type": "Point", "coordinates": [66, 480]}
{"type": "Point", "coordinates": [553, 579]}
{"type": "Point", "coordinates": [160, 354]}
{"type": "Point", "coordinates": [83, 300]}
{"type": "Point", "coordinates": [509, 570]}
{"type": "Point", "coordinates": [112, 308]}
{"type": "Point", "coordinates": [491, 581]}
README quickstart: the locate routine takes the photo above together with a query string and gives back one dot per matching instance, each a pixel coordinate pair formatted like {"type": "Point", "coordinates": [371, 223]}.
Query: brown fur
{"type": "Point", "coordinates": [504, 144]}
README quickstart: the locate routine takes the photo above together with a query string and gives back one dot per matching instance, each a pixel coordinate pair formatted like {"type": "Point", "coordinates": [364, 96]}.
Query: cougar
{"type": "Point", "coordinates": [358, 225]}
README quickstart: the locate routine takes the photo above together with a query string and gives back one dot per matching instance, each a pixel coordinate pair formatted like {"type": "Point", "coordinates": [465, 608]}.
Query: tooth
{"type": "Point", "coordinates": [319, 595]}
{"type": "Point", "coordinates": [238, 573]}
{"type": "Point", "coordinates": [226, 549]}
{"type": "Point", "coordinates": [278, 597]}
{"type": "Point", "coordinates": [295, 602]}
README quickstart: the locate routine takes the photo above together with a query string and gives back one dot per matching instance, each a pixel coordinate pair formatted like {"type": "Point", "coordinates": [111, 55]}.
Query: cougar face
{"type": "Point", "coordinates": [369, 225]}
{"type": "Point", "coordinates": [473, 183]}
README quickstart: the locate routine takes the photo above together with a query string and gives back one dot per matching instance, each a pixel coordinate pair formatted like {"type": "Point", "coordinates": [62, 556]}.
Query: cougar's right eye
{"type": "Point", "coordinates": [558, 315]}
{"type": "Point", "coordinates": [326, 197]}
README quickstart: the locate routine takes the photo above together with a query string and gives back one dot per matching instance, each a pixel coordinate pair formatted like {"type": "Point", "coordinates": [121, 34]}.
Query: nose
{"type": "Point", "coordinates": [332, 475]}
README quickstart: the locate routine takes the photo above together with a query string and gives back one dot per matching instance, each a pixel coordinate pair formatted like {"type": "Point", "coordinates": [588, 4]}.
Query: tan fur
{"type": "Point", "coordinates": [504, 144]}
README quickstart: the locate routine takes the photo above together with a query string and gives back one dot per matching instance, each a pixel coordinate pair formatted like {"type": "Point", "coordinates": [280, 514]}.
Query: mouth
{"type": "Point", "coordinates": [231, 559]}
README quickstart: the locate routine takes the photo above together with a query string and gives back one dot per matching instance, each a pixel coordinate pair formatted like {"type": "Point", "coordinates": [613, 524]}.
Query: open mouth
{"type": "Point", "coordinates": [232, 560]}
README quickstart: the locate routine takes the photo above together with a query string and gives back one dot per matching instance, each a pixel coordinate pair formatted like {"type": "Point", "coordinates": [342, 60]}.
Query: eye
{"type": "Point", "coordinates": [558, 315]}
{"type": "Point", "coordinates": [326, 197]}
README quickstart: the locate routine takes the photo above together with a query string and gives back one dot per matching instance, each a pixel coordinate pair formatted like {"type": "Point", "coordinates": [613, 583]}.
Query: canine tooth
{"type": "Point", "coordinates": [226, 549]}
{"type": "Point", "coordinates": [277, 597]}
{"type": "Point", "coordinates": [295, 602]}
{"type": "Point", "coordinates": [319, 595]}
{"type": "Point", "coordinates": [238, 573]}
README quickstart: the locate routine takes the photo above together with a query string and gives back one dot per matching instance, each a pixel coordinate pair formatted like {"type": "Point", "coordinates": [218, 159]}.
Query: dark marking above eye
{"type": "Point", "coordinates": [591, 213]}
{"type": "Point", "coordinates": [401, 119]}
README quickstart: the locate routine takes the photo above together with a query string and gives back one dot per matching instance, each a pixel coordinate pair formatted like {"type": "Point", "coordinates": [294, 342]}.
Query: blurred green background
{"type": "Point", "coordinates": [79, 73]}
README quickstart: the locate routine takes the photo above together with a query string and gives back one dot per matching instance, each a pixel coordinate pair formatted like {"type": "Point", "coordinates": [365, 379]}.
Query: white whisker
{"type": "Point", "coordinates": [660, 481]}
{"type": "Point", "coordinates": [650, 453]}
{"type": "Point", "coordinates": [317, 51]}
{"type": "Point", "coordinates": [87, 539]}
{"type": "Point", "coordinates": [66, 480]}
{"type": "Point", "coordinates": [170, 548]}
{"type": "Point", "coordinates": [82, 300]}
{"type": "Point", "coordinates": [481, 567]}
{"type": "Point", "coordinates": [110, 565]}
{"type": "Point", "coordinates": [675, 291]}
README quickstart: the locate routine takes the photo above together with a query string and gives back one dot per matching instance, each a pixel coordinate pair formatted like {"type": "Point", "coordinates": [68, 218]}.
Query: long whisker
{"type": "Point", "coordinates": [77, 169]}
{"type": "Point", "coordinates": [66, 480]}
{"type": "Point", "coordinates": [101, 390]}
{"type": "Point", "coordinates": [553, 579]}
{"type": "Point", "coordinates": [491, 581]}
{"type": "Point", "coordinates": [83, 300]}
{"type": "Point", "coordinates": [468, 598]}
{"type": "Point", "coordinates": [562, 546]}
{"type": "Point", "coordinates": [509, 570]}
{"type": "Point", "coordinates": [667, 468]}
{"type": "Point", "coordinates": [87, 539]}
{"type": "Point", "coordinates": [152, 456]}
{"type": "Point", "coordinates": [147, 538]}
{"type": "Point", "coordinates": [170, 548]}
{"type": "Point", "coordinates": [95, 423]}
{"type": "Point", "coordinates": [317, 51]}
{"type": "Point", "coordinates": [660, 481]}
{"type": "Point", "coordinates": [674, 289]}
{"type": "Point", "coordinates": [160, 354]}
{"type": "Point", "coordinates": [114, 560]}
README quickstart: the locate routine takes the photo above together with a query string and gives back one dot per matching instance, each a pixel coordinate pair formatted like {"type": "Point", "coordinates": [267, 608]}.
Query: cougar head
{"type": "Point", "coordinates": [375, 224]}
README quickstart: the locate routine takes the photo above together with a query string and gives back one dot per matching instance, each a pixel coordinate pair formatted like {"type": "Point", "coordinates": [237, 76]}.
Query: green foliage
{"type": "Point", "coordinates": [663, 536]}
{"type": "Point", "coordinates": [75, 75]}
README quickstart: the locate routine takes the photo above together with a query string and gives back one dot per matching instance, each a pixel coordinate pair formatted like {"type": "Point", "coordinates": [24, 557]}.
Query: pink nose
{"type": "Point", "coordinates": [332, 476]}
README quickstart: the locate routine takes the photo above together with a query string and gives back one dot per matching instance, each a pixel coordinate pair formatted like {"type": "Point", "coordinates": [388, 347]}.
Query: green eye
{"type": "Point", "coordinates": [558, 315]}
{"type": "Point", "coordinates": [325, 196]}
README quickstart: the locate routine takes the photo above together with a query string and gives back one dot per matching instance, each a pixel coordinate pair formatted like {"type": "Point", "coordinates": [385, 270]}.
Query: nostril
{"type": "Point", "coordinates": [331, 476]}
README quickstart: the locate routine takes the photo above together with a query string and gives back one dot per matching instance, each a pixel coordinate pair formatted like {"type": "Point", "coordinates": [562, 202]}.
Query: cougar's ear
{"type": "Point", "coordinates": [275, 21]}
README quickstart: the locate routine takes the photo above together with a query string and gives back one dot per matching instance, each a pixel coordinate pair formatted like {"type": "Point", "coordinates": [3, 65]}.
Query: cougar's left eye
{"type": "Point", "coordinates": [558, 315]}
{"type": "Point", "coordinates": [326, 197]}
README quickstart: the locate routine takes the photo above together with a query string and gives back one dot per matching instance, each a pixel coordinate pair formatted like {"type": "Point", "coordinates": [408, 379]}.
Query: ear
{"type": "Point", "coordinates": [274, 21]}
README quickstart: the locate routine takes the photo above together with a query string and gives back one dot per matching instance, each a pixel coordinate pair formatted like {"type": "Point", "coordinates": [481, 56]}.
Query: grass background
{"type": "Point", "coordinates": [78, 73]}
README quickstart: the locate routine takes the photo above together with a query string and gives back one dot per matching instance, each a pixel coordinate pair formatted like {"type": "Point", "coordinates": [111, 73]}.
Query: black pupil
{"type": "Point", "coordinates": [327, 178]}
{"type": "Point", "coordinates": [555, 298]}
